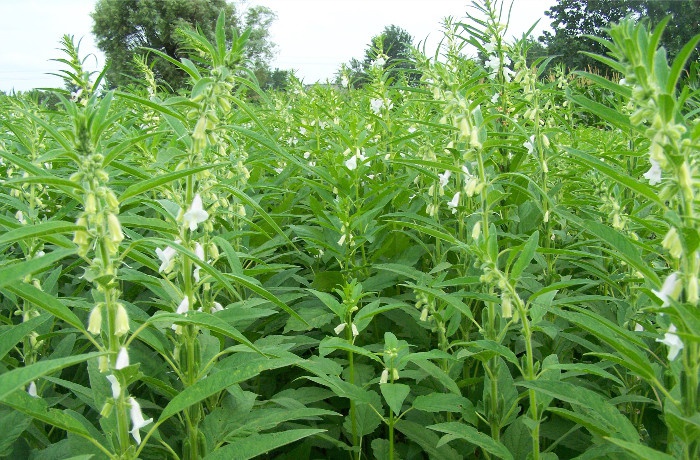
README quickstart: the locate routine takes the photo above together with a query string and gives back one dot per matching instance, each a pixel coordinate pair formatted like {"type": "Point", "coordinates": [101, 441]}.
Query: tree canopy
{"type": "Point", "coordinates": [394, 44]}
{"type": "Point", "coordinates": [573, 19]}
{"type": "Point", "coordinates": [124, 27]}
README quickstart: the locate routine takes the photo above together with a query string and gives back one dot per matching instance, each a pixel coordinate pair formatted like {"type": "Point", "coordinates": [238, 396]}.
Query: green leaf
{"type": "Point", "coordinates": [589, 403]}
{"type": "Point", "coordinates": [10, 274]}
{"type": "Point", "coordinates": [149, 184]}
{"type": "Point", "coordinates": [427, 440]}
{"type": "Point", "coordinates": [258, 444]}
{"type": "Point", "coordinates": [612, 116]}
{"type": "Point", "coordinates": [219, 381]}
{"type": "Point", "coordinates": [622, 246]}
{"type": "Point", "coordinates": [38, 409]}
{"type": "Point", "coordinates": [206, 321]}
{"type": "Point", "coordinates": [526, 255]}
{"type": "Point", "coordinates": [589, 161]}
{"type": "Point", "coordinates": [46, 302]}
{"type": "Point", "coordinates": [679, 63]}
{"type": "Point", "coordinates": [443, 402]}
{"type": "Point", "coordinates": [472, 435]}
{"type": "Point", "coordinates": [37, 231]}
{"type": "Point", "coordinates": [640, 451]}
{"type": "Point", "coordinates": [394, 395]}
{"type": "Point", "coordinates": [17, 379]}
{"type": "Point", "coordinates": [15, 333]}
{"type": "Point", "coordinates": [329, 344]}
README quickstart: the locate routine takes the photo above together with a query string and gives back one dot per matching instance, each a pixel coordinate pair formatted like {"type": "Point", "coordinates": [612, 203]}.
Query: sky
{"type": "Point", "coordinates": [313, 37]}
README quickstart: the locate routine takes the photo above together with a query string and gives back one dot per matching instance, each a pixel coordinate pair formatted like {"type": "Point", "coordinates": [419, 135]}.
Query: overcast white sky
{"type": "Point", "coordinates": [314, 37]}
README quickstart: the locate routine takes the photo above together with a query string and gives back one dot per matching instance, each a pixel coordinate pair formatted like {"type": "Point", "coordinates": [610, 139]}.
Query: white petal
{"type": "Point", "coordinates": [31, 389]}
{"type": "Point", "coordinates": [122, 359]}
{"type": "Point", "coordinates": [184, 306]}
{"type": "Point", "coordinates": [339, 328]}
{"type": "Point", "coordinates": [116, 387]}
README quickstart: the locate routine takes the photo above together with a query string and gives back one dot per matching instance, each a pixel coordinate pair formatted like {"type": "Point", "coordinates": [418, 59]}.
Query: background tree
{"type": "Point", "coordinates": [572, 19]}
{"type": "Point", "coordinates": [397, 45]}
{"type": "Point", "coordinates": [123, 27]}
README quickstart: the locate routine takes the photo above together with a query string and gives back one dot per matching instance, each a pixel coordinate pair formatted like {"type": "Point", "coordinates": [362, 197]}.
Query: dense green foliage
{"type": "Point", "coordinates": [572, 20]}
{"type": "Point", "coordinates": [123, 28]}
{"type": "Point", "coordinates": [501, 262]}
{"type": "Point", "coordinates": [393, 48]}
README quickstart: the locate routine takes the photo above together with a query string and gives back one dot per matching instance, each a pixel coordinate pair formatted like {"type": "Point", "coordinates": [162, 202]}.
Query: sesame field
{"type": "Point", "coordinates": [496, 260]}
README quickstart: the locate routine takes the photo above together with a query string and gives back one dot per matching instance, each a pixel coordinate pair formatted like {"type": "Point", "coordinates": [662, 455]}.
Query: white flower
{"type": "Point", "coordinates": [530, 145]}
{"type": "Point", "coordinates": [654, 174]}
{"type": "Point", "coordinates": [351, 163]}
{"type": "Point", "coordinates": [122, 359]}
{"type": "Point", "coordinates": [216, 307]}
{"type": "Point", "coordinates": [75, 95]}
{"type": "Point", "coordinates": [444, 178]}
{"type": "Point", "coordinates": [184, 306]}
{"type": "Point", "coordinates": [454, 203]}
{"type": "Point", "coordinates": [116, 387]}
{"type": "Point", "coordinates": [196, 214]}
{"type": "Point", "coordinates": [384, 377]}
{"type": "Point", "coordinates": [672, 341]}
{"type": "Point", "coordinates": [31, 389]}
{"type": "Point", "coordinates": [355, 332]}
{"type": "Point", "coordinates": [490, 47]}
{"type": "Point", "coordinates": [379, 62]}
{"type": "Point", "coordinates": [339, 328]}
{"type": "Point", "coordinates": [95, 320]}
{"type": "Point", "coordinates": [121, 321]}
{"type": "Point", "coordinates": [20, 217]}
{"type": "Point", "coordinates": [376, 105]}
{"type": "Point", "coordinates": [493, 64]}
{"type": "Point", "coordinates": [670, 289]}
{"type": "Point", "coordinates": [344, 81]}
{"type": "Point", "coordinates": [137, 421]}
{"type": "Point", "coordinates": [495, 97]}
{"type": "Point", "coordinates": [166, 258]}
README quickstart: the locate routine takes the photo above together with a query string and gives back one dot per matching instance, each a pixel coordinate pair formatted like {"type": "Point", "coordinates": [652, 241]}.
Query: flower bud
{"type": "Point", "coordinates": [95, 320]}
{"type": "Point", "coordinates": [115, 229]}
{"type": "Point", "coordinates": [476, 231]}
{"type": "Point", "coordinates": [672, 243]}
{"type": "Point", "coordinates": [121, 321]}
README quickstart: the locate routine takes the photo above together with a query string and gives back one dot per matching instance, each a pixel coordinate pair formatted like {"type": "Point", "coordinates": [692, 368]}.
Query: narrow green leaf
{"type": "Point", "coordinates": [679, 63]}
{"type": "Point", "coordinates": [640, 451]}
{"type": "Point", "coordinates": [472, 435]}
{"type": "Point", "coordinates": [49, 228]}
{"type": "Point", "coordinates": [157, 181]}
{"type": "Point", "coordinates": [18, 378]}
{"type": "Point", "coordinates": [589, 161]}
{"type": "Point", "coordinates": [10, 274]}
{"type": "Point", "coordinates": [526, 255]}
{"type": "Point", "coordinates": [614, 117]}
{"type": "Point", "coordinates": [221, 380]}
{"type": "Point", "coordinates": [46, 302]}
{"type": "Point", "coordinates": [590, 402]}
{"type": "Point", "coordinates": [259, 444]}
{"type": "Point", "coordinates": [14, 334]}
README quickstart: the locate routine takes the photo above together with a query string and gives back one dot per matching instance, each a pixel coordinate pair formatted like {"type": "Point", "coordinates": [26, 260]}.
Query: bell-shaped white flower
{"type": "Point", "coordinates": [654, 174]}
{"type": "Point", "coordinates": [196, 214]}
{"type": "Point", "coordinates": [384, 378]}
{"type": "Point", "coordinates": [184, 306]}
{"type": "Point", "coordinates": [137, 420]}
{"type": "Point", "coordinates": [454, 203]}
{"type": "Point", "coordinates": [671, 289]}
{"type": "Point", "coordinates": [216, 307]}
{"type": "Point", "coordinates": [530, 145]}
{"type": "Point", "coordinates": [116, 387]}
{"type": "Point", "coordinates": [121, 325]}
{"type": "Point", "coordinates": [339, 328]}
{"type": "Point", "coordinates": [122, 359]}
{"type": "Point", "coordinates": [31, 389]}
{"type": "Point", "coordinates": [444, 178]}
{"type": "Point", "coordinates": [166, 257]}
{"type": "Point", "coordinates": [672, 341]}
{"type": "Point", "coordinates": [351, 163]}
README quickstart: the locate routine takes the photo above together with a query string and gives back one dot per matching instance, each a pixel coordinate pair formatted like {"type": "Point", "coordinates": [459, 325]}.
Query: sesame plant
{"type": "Point", "coordinates": [498, 261]}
